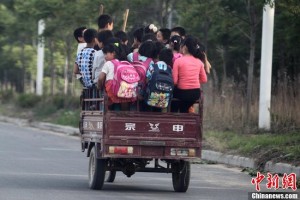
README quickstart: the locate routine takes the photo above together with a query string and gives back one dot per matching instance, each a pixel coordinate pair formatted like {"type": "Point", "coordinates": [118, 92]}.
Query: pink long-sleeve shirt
{"type": "Point", "coordinates": [188, 72]}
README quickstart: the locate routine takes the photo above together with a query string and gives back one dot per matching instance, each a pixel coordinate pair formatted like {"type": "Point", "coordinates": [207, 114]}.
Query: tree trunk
{"type": "Point", "coordinates": [52, 66]}
{"type": "Point", "coordinates": [68, 71]}
{"type": "Point", "coordinates": [70, 59]}
{"type": "Point", "coordinates": [253, 23]}
{"type": "Point", "coordinates": [66, 76]}
{"type": "Point", "coordinates": [21, 85]}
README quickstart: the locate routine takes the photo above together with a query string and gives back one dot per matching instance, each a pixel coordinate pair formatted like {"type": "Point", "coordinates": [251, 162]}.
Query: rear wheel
{"type": "Point", "coordinates": [111, 176]}
{"type": "Point", "coordinates": [97, 169]}
{"type": "Point", "coordinates": [181, 176]}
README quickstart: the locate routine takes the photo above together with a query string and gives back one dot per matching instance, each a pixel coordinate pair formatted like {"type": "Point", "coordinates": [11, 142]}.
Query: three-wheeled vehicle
{"type": "Point", "coordinates": [135, 141]}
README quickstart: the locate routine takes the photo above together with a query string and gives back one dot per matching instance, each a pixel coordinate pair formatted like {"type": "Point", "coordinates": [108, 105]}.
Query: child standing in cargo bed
{"type": "Point", "coordinates": [84, 60]}
{"type": "Point", "coordinates": [188, 75]}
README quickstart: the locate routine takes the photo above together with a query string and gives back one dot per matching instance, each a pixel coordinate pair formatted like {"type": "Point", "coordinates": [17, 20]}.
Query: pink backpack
{"type": "Point", "coordinates": [125, 80]}
{"type": "Point", "coordinates": [141, 68]}
{"type": "Point", "coordinates": [176, 56]}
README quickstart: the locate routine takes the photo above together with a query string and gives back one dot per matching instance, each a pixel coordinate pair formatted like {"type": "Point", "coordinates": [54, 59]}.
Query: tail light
{"type": "Point", "coordinates": [183, 152]}
{"type": "Point", "coordinates": [120, 150]}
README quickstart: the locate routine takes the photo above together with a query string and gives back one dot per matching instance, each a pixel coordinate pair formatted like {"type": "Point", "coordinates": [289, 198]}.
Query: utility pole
{"type": "Point", "coordinates": [266, 67]}
{"type": "Point", "coordinates": [40, 58]}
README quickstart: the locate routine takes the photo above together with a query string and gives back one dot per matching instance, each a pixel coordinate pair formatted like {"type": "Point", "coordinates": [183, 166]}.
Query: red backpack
{"type": "Point", "coordinates": [125, 80]}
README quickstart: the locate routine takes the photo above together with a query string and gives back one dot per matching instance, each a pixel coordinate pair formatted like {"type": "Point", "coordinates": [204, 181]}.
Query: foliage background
{"type": "Point", "coordinates": [230, 30]}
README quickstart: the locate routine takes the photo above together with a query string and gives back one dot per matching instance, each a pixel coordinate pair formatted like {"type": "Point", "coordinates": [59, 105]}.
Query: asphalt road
{"type": "Point", "coordinates": [41, 165]}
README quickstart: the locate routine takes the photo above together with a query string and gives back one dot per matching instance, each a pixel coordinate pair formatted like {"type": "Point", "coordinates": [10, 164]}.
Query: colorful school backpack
{"type": "Point", "coordinates": [160, 87]}
{"type": "Point", "coordinates": [125, 80]}
{"type": "Point", "coordinates": [141, 68]}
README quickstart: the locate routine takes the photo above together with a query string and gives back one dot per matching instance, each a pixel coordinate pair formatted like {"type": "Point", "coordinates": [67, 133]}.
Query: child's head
{"type": "Point", "coordinates": [78, 34]}
{"type": "Point", "coordinates": [102, 37]}
{"type": "Point", "coordinates": [122, 36]}
{"type": "Point", "coordinates": [147, 49]}
{"type": "Point", "coordinates": [166, 55]}
{"type": "Point", "coordinates": [178, 31]}
{"type": "Point", "coordinates": [158, 47]}
{"type": "Point", "coordinates": [119, 49]}
{"type": "Point", "coordinates": [105, 22]}
{"type": "Point", "coordinates": [149, 37]}
{"type": "Point", "coordinates": [138, 35]}
{"type": "Point", "coordinates": [110, 51]}
{"type": "Point", "coordinates": [89, 35]}
{"type": "Point", "coordinates": [163, 35]}
{"type": "Point", "coordinates": [192, 46]}
{"type": "Point", "coordinates": [175, 42]}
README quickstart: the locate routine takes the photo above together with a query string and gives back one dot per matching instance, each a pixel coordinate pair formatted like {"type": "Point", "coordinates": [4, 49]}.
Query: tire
{"type": "Point", "coordinates": [111, 176]}
{"type": "Point", "coordinates": [97, 169]}
{"type": "Point", "coordinates": [181, 176]}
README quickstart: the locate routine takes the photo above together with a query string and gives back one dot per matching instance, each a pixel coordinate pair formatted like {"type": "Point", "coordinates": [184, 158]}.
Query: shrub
{"type": "Point", "coordinates": [6, 95]}
{"type": "Point", "coordinates": [59, 101]}
{"type": "Point", "coordinates": [28, 100]}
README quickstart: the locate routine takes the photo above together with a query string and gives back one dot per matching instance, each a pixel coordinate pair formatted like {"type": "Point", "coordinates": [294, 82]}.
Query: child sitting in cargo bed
{"type": "Point", "coordinates": [157, 99]}
{"type": "Point", "coordinates": [112, 51]}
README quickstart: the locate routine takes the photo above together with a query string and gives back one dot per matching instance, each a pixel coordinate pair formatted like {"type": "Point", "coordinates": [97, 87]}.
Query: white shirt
{"type": "Point", "coordinates": [80, 47]}
{"type": "Point", "coordinates": [108, 69]}
{"type": "Point", "coordinates": [99, 61]}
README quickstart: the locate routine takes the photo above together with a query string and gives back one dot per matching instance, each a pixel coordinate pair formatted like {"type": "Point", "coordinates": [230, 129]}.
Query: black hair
{"type": "Point", "coordinates": [122, 36]}
{"type": "Point", "coordinates": [110, 48]}
{"type": "Point", "coordinates": [138, 34]}
{"type": "Point", "coordinates": [158, 47]}
{"type": "Point", "coordinates": [166, 55]}
{"type": "Point", "coordinates": [89, 34]}
{"type": "Point", "coordinates": [194, 47]}
{"type": "Point", "coordinates": [147, 49]}
{"type": "Point", "coordinates": [149, 37]}
{"type": "Point", "coordinates": [103, 20]}
{"type": "Point", "coordinates": [78, 32]}
{"type": "Point", "coordinates": [180, 30]}
{"type": "Point", "coordinates": [176, 42]}
{"type": "Point", "coordinates": [166, 33]}
{"type": "Point", "coordinates": [119, 48]}
{"type": "Point", "coordinates": [103, 36]}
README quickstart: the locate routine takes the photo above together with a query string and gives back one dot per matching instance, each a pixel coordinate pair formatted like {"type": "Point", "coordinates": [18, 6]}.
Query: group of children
{"type": "Point", "coordinates": [168, 56]}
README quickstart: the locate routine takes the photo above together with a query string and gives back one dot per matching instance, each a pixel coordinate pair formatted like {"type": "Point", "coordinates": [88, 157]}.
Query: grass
{"type": "Point", "coordinates": [58, 109]}
{"type": "Point", "coordinates": [264, 146]}
{"type": "Point", "coordinates": [70, 118]}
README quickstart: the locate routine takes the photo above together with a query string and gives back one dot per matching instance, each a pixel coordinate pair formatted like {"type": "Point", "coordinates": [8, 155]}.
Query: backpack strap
{"type": "Point", "coordinates": [116, 63]}
{"type": "Point", "coordinates": [147, 62]}
{"type": "Point", "coordinates": [135, 56]}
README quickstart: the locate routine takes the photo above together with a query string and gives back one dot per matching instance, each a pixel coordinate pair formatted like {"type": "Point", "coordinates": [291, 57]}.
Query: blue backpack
{"type": "Point", "coordinates": [159, 90]}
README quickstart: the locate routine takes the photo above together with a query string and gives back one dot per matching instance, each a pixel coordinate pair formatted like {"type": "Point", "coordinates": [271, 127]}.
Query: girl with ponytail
{"type": "Point", "coordinates": [188, 74]}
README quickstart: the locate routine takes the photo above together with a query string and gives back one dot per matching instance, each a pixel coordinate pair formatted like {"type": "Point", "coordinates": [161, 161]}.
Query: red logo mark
{"type": "Point", "coordinates": [273, 181]}
{"type": "Point", "coordinates": [259, 178]}
{"type": "Point", "coordinates": [289, 181]}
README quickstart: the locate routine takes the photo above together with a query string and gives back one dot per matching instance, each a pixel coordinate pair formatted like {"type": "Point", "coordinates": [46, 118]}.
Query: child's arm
{"type": "Point", "coordinates": [175, 72]}
{"type": "Point", "coordinates": [101, 80]}
{"type": "Point", "coordinates": [202, 75]}
{"type": "Point", "coordinates": [76, 69]}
